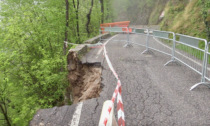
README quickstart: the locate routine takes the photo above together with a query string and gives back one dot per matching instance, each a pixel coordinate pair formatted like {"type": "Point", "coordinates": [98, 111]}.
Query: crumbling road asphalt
{"type": "Point", "coordinates": [153, 94]}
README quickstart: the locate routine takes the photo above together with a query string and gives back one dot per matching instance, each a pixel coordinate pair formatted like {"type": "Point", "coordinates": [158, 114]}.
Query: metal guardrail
{"type": "Point", "coordinates": [182, 48]}
{"type": "Point", "coordinates": [117, 30]}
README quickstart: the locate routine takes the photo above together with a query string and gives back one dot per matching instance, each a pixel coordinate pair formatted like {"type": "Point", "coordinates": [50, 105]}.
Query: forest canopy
{"type": "Point", "coordinates": [32, 61]}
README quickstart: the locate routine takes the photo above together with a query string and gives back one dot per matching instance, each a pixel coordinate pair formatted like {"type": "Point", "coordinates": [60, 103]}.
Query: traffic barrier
{"type": "Point", "coordinates": [182, 45]}
{"type": "Point", "coordinates": [111, 121]}
{"type": "Point", "coordinates": [162, 35]}
{"type": "Point", "coordinates": [117, 27]}
{"type": "Point", "coordinates": [105, 119]}
{"type": "Point", "coordinates": [114, 24]}
{"type": "Point", "coordinates": [182, 48]}
{"type": "Point", "coordinates": [207, 65]}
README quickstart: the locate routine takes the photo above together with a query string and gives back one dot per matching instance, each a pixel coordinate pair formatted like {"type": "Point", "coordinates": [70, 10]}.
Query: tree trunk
{"type": "Point", "coordinates": [4, 112]}
{"type": "Point", "coordinates": [102, 11]}
{"type": "Point", "coordinates": [77, 19]}
{"type": "Point", "coordinates": [89, 18]}
{"type": "Point", "coordinates": [67, 25]}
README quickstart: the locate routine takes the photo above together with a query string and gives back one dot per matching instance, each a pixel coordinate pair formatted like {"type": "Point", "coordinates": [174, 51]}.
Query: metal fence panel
{"type": "Point", "coordinates": [189, 56]}
{"type": "Point", "coordinates": [141, 31]}
{"type": "Point", "coordinates": [160, 45]}
{"type": "Point", "coordinates": [208, 67]}
{"type": "Point", "coordinates": [113, 29]}
{"type": "Point", "coordinates": [189, 40]}
{"type": "Point", "coordinates": [161, 34]}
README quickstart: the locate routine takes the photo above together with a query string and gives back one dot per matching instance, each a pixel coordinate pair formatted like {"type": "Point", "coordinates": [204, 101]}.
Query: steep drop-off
{"type": "Point", "coordinates": [85, 79]}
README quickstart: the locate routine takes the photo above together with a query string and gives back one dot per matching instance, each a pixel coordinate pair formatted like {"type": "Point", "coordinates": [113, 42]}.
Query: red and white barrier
{"type": "Point", "coordinates": [117, 93]}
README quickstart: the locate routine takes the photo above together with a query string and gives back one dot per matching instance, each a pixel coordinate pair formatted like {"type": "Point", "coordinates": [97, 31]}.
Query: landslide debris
{"type": "Point", "coordinates": [85, 79]}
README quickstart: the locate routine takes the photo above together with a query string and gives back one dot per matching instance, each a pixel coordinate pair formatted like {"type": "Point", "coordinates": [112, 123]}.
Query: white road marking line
{"type": "Point", "coordinates": [100, 50]}
{"type": "Point", "coordinates": [76, 116]}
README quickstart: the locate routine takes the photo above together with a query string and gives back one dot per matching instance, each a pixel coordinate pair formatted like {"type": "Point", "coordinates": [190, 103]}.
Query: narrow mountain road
{"type": "Point", "coordinates": [153, 94]}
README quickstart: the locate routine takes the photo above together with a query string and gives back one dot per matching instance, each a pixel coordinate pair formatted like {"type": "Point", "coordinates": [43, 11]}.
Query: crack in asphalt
{"type": "Point", "coordinates": [147, 99]}
{"type": "Point", "coordinates": [139, 90]}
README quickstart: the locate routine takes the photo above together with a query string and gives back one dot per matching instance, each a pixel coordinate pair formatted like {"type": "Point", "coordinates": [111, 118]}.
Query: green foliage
{"type": "Point", "coordinates": [33, 71]}
{"type": "Point", "coordinates": [31, 57]}
{"type": "Point", "coordinates": [185, 17]}
{"type": "Point", "coordinates": [205, 12]}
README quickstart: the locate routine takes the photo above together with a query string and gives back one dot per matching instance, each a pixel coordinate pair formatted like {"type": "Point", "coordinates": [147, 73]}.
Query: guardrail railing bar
{"type": "Point", "coordinates": [159, 51]}
{"type": "Point", "coordinates": [203, 65]}
{"type": "Point", "coordinates": [138, 44]}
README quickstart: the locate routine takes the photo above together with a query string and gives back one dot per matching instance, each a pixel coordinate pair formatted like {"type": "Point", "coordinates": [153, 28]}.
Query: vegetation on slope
{"type": "Point", "coordinates": [33, 71]}
{"type": "Point", "coordinates": [188, 17]}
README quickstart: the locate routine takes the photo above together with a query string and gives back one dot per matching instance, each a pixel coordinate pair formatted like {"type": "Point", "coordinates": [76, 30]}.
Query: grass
{"type": "Point", "coordinates": [185, 17]}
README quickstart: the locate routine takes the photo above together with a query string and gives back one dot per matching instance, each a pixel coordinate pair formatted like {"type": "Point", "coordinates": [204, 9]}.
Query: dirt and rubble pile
{"type": "Point", "coordinates": [85, 79]}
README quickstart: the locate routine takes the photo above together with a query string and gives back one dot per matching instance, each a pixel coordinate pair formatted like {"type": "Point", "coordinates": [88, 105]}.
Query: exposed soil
{"type": "Point", "coordinates": [85, 80]}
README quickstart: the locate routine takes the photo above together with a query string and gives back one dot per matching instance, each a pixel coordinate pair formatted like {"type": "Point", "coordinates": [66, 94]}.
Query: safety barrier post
{"type": "Point", "coordinates": [147, 43]}
{"type": "Point", "coordinates": [128, 38]}
{"type": "Point", "coordinates": [204, 68]}
{"type": "Point", "coordinates": [204, 63]}
{"type": "Point", "coordinates": [100, 33]}
{"type": "Point", "coordinates": [173, 50]}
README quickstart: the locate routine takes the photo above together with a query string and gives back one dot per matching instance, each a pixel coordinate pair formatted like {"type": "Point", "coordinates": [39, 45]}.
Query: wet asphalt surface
{"type": "Point", "coordinates": [153, 94]}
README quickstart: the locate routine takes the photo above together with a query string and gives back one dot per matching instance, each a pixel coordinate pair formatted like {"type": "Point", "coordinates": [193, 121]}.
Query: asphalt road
{"type": "Point", "coordinates": [153, 94]}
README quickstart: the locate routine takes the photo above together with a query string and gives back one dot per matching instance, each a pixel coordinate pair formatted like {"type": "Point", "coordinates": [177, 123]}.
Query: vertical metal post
{"type": "Point", "coordinates": [206, 58]}
{"type": "Point", "coordinates": [204, 68]}
{"type": "Point", "coordinates": [110, 28]}
{"type": "Point", "coordinates": [128, 36]}
{"type": "Point", "coordinates": [100, 34]}
{"type": "Point", "coordinates": [173, 50]}
{"type": "Point", "coordinates": [204, 63]}
{"type": "Point", "coordinates": [174, 47]}
{"type": "Point", "coordinates": [147, 44]}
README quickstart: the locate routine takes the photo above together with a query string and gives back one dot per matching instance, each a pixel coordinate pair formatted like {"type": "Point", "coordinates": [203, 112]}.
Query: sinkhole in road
{"type": "Point", "coordinates": [85, 79]}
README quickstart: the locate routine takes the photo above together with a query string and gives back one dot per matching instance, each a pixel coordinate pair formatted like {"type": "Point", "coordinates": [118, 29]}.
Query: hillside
{"type": "Point", "coordinates": [190, 17]}
{"type": "Point", "coordinates": [139, 12]}
{"type": "Point", "coordinates": [187, 17]}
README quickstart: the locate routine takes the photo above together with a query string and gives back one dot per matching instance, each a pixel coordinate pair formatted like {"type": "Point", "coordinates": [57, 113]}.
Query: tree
{"type": "Point", "coordinates": [206, 16]}
{"type": "Point", "coordinates": [89, 18]}
{"type": "Point", "coordinates": [33, 71]}
{"type": "Point", "coordinates": [77, 19]}
{"type": "Point", "coordinates": [67, 25]}
{"type": "Point", "coordinates": [102, 11]}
